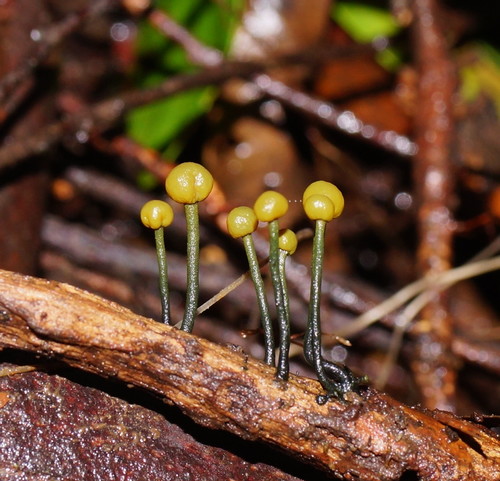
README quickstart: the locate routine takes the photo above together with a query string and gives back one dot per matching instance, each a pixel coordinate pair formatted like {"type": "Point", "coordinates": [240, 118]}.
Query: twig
{"type": "Point", "coordinates": [344, 121]}
{"type": "Point", "coordinates": [421, 286]}
{"type": "Point", "coordinates": [407, 316]}
{"type": "Point", "coordinates": [198, 53]}
{"type": "Point", "coordinates": [433, 365]}
{"type": "Point", "coordinates": [105, 114]}
{"type": "Point", "coordinates": [85, 247]}
{"type": "Point", "coordinates": [45, 40]}
{"type": "Point", "coordinates": [482, 354]}
{"type": "Point", "coordinates": [372, 437]}
{"type": "Point", "coordinates": [126, 148]}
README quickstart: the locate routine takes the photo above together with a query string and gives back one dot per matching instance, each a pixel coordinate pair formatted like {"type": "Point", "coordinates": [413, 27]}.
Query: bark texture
{"type": "Point", "coordinates": [371, 437]}
{"type": "Point", "coordinates": [68, 431]}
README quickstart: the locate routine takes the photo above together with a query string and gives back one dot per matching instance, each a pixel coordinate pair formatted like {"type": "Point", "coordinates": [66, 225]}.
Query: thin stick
{"type": "Point", "coordinates": [444, 280]}
{"type": "Point", "coordinates": [222, 293]}
{"type": "Point", "coordinates": [417, 304]}
{"type": "Point", "coordinates": [410, 312]}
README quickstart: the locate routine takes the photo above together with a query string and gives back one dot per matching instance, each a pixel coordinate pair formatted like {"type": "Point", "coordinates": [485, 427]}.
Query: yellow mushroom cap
{"type": "Point", "coordinates": [270, 205]}
{"type": "Point", "coordinates": [288, 241]}
{"type": "Point", "coordinates": [189, 183]}
{"type": "Point", "coordinates": [322, 187]}
{"type": "Point", "coordinates": [156, 214]}
{"type": "Point", "coordinates": [319, 207]}
{"type": "Point", "coordinates": [241, 221]}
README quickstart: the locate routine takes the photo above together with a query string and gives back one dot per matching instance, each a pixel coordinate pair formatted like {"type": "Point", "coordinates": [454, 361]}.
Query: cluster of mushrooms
{"type": "Point", "coordinates": [190, 183]}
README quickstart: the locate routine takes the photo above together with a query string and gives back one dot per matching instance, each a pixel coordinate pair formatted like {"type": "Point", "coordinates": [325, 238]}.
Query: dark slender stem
{"type": "Point", "coordinates": [284, 326]}
{"type": "Point", "coordinates": [265, 316]}
{"type": "Point", "coordinates": [193, 266]}
{"type": "Point", "coordinates": [283, 256]}
{"type": "Point", "coordinates": [283, 368]}
{"type": "Point", "coordinates": [161, 254]}
{"type": "Point", "coordinates": [312, 338]}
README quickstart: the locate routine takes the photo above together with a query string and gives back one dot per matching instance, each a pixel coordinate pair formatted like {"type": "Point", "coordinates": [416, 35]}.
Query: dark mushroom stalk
{"type": "Point", "coordinates": [269, 207]}
{"type": "Point", "coordinates": [323, 202]}
{"type": "Point", "coordinates": [287, 245]}
{"type": "Point", "coordinates": [241, 222]}
{"type": "Point", "coordinates": [156, 215]}
{"type": "Point", "coordinates": [189, 183]}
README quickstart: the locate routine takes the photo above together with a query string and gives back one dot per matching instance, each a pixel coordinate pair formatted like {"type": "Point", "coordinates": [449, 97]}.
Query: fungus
{"type": "Point", "coordinates": [319, 205]}
{"type": "Point", "coordinates": [269, 207]}
{"type": "Point", "coordinates": [241, 222]}
{"type": "Point", "coordinates": [190, 183]}
{"type": "Point", "coordinates": [330, 190]}
{"type": "Point", "coordinates": [156, 215]}
{"type": "Point", "coordinates": [287, 245]}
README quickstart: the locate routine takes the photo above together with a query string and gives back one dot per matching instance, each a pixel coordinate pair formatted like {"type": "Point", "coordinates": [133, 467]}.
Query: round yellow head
{"type": "Point", "coordinates": [319, 207]}
{"type": "Point", "coordinates": [241, 221]}
{"type": "Point", "coordinates": [189, 183]}
{"type": "Point", "coordinates": [270, 205]}
{"type": "Point", "coordinates": [156, 214]}
{"type": "Point", "coordinates": [288, 241]}
{"type": "Point", "coordinates": [331, 191]}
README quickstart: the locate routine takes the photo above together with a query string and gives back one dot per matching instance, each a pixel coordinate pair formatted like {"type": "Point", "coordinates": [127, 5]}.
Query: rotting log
{"type": "Point", "coordinates": [370, 437]}
{"type": "Point", "coordinates": [74, 432]}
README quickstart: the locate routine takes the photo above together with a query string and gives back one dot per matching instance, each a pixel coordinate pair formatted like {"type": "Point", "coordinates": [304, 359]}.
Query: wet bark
{"type": "Point", "coordinates": [75, 432]}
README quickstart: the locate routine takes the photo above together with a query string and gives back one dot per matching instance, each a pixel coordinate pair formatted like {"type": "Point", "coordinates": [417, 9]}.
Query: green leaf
{"type": "Point", "coordinates": [482, 74]}
{"type": "Point", "coordinates": [146, 181]}
{"type": "Point", "coordinates": [213, 23]}
{"type": "Point", "coordinates": [470, 86]}
{"type": "Point", "coordinates": [390, 58]}
{"type": "Point", "coordinates": [364, 22]}
{"type": "Point", "coordinates": [156, 124]}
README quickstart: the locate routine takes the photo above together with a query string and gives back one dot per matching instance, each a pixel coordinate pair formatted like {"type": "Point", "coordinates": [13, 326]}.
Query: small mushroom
{"type": "Point", "coordinates": [190, 183]}
{"type": "Point", "coordinates": [269, 207]}
{"type": "Point", "coordinates": [322, 202]}
{"type": "Point", "coordinates": [287, 245]}
{"type": "Point", "coordinates": [241, 222]}
{"type": "Point", "coordinates": [156, 215]}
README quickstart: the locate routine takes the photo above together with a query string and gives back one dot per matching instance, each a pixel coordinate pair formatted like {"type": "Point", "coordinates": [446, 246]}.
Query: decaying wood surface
{"type": "Point", "coordinates": [74, 432]}
{"type": "Point", "coordinates": [371, 437]}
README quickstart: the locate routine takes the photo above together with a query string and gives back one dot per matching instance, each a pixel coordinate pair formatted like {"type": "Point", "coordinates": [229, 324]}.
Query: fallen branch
{"type": "Point", "coordinates": [372, 437]}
